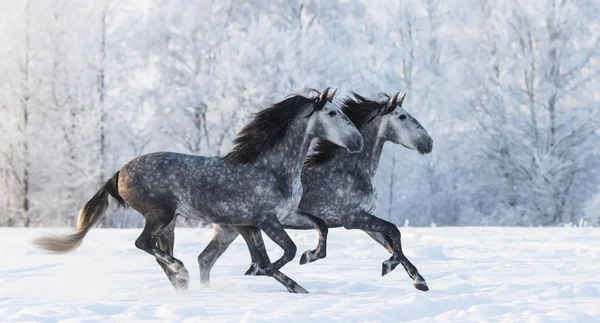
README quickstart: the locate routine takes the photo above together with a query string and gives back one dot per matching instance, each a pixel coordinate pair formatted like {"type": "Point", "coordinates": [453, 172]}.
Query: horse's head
{"type": "Point", "coordinates": [328, 122]}
{"type": "Point", "coordinates": [399, 127]}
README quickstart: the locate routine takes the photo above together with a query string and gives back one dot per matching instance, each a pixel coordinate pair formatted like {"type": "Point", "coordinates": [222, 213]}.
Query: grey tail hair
{"type": "Point", "coordinates": [90, 214]}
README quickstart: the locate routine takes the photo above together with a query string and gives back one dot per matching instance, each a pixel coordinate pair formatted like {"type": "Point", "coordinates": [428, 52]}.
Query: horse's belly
{"type": "Point", "coordinates": [232, 210]}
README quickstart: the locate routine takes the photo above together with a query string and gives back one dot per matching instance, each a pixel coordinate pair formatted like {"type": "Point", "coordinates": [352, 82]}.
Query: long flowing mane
{"type": "Point", "coordinates": [358, 109]}
{"type": "Point", "coordinates": [266, 129]}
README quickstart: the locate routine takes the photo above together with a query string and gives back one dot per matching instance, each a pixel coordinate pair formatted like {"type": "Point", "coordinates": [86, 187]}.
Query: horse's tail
{"type": "Point", "coordinates": [90, 214]}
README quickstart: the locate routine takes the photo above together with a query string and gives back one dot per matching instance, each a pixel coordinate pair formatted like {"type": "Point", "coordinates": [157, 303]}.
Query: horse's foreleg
{"type": "Point", "coordinates": [223, 236]}
{"type": "Point", "coordinates": [302, 220]}
{"type": "Point", "coordinates": [261, 262]}
{"type": "Point", "coordinates": [368, 222]}
{"type": "Point", "coordinates": [271, 226]}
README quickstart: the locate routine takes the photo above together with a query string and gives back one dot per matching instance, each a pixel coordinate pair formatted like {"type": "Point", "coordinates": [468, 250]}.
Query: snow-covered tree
{"type": "Point", "coordinates": [507, 90]}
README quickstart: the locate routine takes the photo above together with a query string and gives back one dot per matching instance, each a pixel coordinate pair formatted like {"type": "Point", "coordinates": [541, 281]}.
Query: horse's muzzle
{"type": "Point", "coordinates": [426, 147]}
{"type": "Point", "coordinates": [355, 145]}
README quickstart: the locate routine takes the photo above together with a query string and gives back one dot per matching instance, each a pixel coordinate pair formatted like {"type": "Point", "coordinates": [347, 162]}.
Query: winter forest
{"type": "Point", "coordinates": [508, 90]}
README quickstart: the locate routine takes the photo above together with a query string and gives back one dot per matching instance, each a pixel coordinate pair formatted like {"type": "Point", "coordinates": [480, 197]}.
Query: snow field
{"type": "Point", "coordinates": [475, 274]}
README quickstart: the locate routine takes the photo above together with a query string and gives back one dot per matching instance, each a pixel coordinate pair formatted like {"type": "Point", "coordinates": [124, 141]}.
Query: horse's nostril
{"type": "Point", "coordinates": [429, 144]}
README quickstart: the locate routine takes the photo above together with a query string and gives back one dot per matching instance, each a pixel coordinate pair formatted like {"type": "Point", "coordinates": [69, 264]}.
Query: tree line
{"type": "Point", "coordinates": [508, 91]}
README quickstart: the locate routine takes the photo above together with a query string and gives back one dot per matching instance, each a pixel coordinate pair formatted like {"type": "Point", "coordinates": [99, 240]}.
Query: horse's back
{"type": "Point", "coordinates": [207, 188]}
{"type": "Point", "coordinates": [158, 180]}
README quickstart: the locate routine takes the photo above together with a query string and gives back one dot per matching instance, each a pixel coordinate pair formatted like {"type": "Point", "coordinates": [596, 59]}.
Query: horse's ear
{"type": "Point", "coordinates": [391, 105]}
{"type": "Point", "coordinates": [394, 99]}
{"type": "Point", "coordinates": [402, 99]}
{"type": "Point", "coordinates": [324, 94]}
{"type": "Point", "coordinates": [321, 99]}
{"type": "Point", "coordinates": [331, 96]}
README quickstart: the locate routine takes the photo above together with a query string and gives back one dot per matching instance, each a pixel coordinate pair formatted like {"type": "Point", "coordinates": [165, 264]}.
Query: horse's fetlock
{"type": "Point", "coordinates": [268, 270]}
{"type": "Point", "coordinates": [321, 253]}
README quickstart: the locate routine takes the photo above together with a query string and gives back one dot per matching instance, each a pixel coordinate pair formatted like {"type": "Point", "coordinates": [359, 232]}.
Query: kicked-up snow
{"type": "Point", "coordinates": [474, 275]}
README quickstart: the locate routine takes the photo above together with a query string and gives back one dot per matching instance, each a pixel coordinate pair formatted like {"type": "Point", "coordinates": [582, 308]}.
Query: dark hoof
{"type": "Point", "coordinates": [253, 270]}
{"type": "Point", "coordinates": [309, 256]}
{"type": "Point", "coordinates": [297, 289]}
{"type": "Point", "coordinates": [306, 257]}
{"type": "Point", "coordinates": [388, 266]}
{"type": "Point", "coordinates": [182, 285]}
{"type": "Point", "coordinates": [256, 270]}
{"type": "Point", "coordinates": [182, 280]}
{"type": "Point", "coordinates": [421, 284]}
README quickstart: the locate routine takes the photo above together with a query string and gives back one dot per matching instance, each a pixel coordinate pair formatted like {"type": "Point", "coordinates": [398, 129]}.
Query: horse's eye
{"type": "Point", "coordinates": [402, 116]}
{"type": "Point", "coordinates": [332, 113]}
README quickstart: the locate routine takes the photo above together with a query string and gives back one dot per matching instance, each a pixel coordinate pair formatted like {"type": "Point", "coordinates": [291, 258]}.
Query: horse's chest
{"type": "Point", "coordinates": [370, 202]}
{"type": "Point", "coordinates": [291, 199]}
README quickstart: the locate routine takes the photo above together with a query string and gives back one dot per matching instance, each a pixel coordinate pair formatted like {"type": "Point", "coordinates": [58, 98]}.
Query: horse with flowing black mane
{"type": "Point", "coordinates": [248, 189]}
{"type": "Point", "coordinates": [339, 188]}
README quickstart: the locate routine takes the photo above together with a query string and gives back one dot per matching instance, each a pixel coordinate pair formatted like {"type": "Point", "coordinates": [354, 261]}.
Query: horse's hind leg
{"type": "Point", "coordinates": [368, 222]}
{"type": "Point", "coordinates": [156, 224]}
{"type": "Point", "coordinates": [223, 236]}
{"type": "Point", "coordinates": [303, 220]}
{"type": "Point", "coordinates": [166, 242]}
{"type": "Point", "coordinates": [261, 262]}
{"type": "Point", "coordinates": [382, 239]}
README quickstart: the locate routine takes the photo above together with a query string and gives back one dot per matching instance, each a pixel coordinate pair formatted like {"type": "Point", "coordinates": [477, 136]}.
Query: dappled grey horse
{"type": "Point", "coordinates": [339, 190]}
{"type": "Point", "coordinates": [248, 189]}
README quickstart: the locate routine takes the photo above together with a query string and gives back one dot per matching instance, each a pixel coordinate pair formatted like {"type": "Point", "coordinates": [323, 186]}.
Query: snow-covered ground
{"type": "Point", "coordinates": [475, 274]}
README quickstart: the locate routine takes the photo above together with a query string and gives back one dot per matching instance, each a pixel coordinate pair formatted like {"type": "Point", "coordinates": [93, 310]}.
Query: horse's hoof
{"type": "Point", "coordinates": [388, 266]}
{"type": "Point", "coordinates": [307, 257]}
{"type": "Point", "coordinates": [183, 274]}
{"type": "Point", "coordinates": [181, 281]}
{"type": "Point", "coordinates": [256, 270]}
{"type": "Point", "coordinates": [297, 289]}
{"type": "Point", "coordinates": [421, 284]}
{"type": "Point", "coordinates": [182, 285]}
{"type": "Point", "coordinates": [253, 270]}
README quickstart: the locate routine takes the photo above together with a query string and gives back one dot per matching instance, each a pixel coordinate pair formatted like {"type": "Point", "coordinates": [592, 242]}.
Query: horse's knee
{"type": "Point", "coordinates": [290, 253]}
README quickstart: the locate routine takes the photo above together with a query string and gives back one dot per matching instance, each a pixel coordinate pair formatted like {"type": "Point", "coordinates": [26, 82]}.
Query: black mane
{"type": "Point", "coordinates": [266, 129]}
{"type": "Point", "coordinates": [358, 109]}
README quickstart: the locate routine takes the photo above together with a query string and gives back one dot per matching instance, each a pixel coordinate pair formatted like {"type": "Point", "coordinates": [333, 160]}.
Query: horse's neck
{"type": "Point", "coordinates": [367, 160]}
{"type": "Point", "coordinates": [286, 157]}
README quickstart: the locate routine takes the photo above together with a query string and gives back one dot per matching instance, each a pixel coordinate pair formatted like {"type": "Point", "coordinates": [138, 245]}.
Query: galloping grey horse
{"type": "Point", "coordinates": [248, 189]}
{"type": "Point", "coordinates": [339, 190]}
